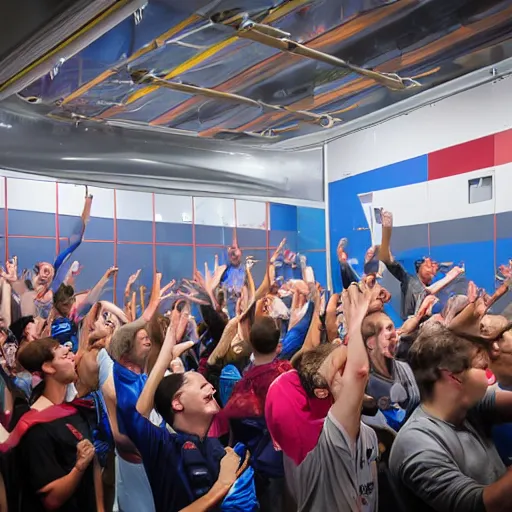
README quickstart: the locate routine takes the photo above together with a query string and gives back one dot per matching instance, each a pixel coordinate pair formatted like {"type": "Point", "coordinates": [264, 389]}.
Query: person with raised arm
{"type": "Point", "coordinates": [337, 472]}
{"type": "Point", "coordinates": [188, 471]}
{"type": "Point", "coordinates": [414, 287]}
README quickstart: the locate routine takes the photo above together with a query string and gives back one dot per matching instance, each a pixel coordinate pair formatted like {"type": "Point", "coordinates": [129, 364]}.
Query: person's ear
{"type": "Point", "coordinates": [279, 348]}
{"type": "Point", "coordinates": [321, 393]}
{"type": "Point", "coordinates": [177, 405]}
{"type": "Point", "coordinates": [371, 342]}
{"type": "Point", "coordinates": [48, 368]}
{"type": "Point", "coordinates": [494, 353]}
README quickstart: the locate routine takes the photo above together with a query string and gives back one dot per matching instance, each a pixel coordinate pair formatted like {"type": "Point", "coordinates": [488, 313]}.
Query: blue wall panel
{"type": "Point", "coordinates": [97, 228]}
{"type": "Point", "coordinates": [310, 229]}
{"type": "Point", "coordinates": [171, 232]}
{"type": "Point", "coordinates": [31, 251]}
{"type": "Point", "coordinates": [134, 230]}
{"type": "Point", "coordinates": [26, 223]}
{"type": "Point", "coordinates": [174, 262]}
{"type": "Point", "coordinates": [214, 235]}
{"type": "Point", "coordinates": [130, 258]}
{"type": "Point", "coordinates": [95, 258]}
{"type": "Point", "coordinates": [283, 217]}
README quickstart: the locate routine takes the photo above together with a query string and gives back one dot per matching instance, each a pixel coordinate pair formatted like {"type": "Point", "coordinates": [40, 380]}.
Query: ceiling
{"type": "Point", "coordinates": [263, 71]}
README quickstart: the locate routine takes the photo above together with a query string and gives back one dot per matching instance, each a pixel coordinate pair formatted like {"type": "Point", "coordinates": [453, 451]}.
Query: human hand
{"type": "Point", "coordinates": [111, 272]}
{"type": "Point", "coordinates": [387, 218]}
{"type": "Point", "coordinates": [84, 454]}
{"type": "Point", "coordinates": [357, 300]}
{"type": "Point", "coordinates": [274, 256]}
{"type": "Point", "coordinates": [132, 279]}
{"type": "Point", "coordinates": [229, 468]}
{"type": "Point", "coordinates": [10, 273]}
{"type": "Point", "coordinates": [332, 369]}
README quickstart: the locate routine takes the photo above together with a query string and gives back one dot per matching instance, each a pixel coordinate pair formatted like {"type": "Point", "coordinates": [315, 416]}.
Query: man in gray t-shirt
{"type": "Point", "coordinates": [443, 458]}
{"type": "Point", "coordinates": [333, 467]}
{"type": "Point", "coordinates": [337, 474]}
{"type": "Point", "coordinates": [447, 467]}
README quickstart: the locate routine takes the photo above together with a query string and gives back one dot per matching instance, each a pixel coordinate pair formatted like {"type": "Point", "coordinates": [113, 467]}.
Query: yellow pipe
{"type": "Point", "coordinates": [73, 37]}
{"type": "Point", "coordinates": [153, 45]}
{"type": "Point", "coordinates": [274, 15]}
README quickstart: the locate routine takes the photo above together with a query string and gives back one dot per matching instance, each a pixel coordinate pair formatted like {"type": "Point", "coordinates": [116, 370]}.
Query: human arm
{"type": "Point", "coordinates": [347, 405]}
{"type": "Point", "coordinates": [445, 281]}
{"type": "Point", "coordinates": [57, 492]}
{"type": "Point", "coordinates": [229, 470]}
{"type": "Point", "coordinates": [168, 353]}
{"type": "Point", "coordinates": [331, 325]}
{"type": "Point", "coordinates": [5, 305]}
{"type": "Point", "coordinates": [128, 287]}
{"type": "Point", "coordinates": [313, 336]}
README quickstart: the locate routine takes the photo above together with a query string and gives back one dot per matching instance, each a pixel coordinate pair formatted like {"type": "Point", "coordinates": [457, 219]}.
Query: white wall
{"type": "Point", "coordinates": [478, 112]}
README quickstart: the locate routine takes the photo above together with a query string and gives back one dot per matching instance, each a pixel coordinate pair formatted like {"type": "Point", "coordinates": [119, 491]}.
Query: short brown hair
{"type": "Point", "coordinates": [264, 335]}
{"type": "Point", "coordinates": [33, 355]}
{"type": "Point", "coordinates": [307, 365]}
{"type": "Point", "coordinates": [437, 348]}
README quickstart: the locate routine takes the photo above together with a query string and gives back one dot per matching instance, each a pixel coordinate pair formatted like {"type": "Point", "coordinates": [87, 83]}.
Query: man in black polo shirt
{"type": "Point", "coordinates": [55, 452]}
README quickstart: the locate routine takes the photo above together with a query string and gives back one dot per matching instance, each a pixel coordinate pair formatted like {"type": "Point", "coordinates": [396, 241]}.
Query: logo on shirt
{"type": "Point", "coordinates": [189, 445]}
{"type": "Point", "coordinates": [74, 431]}
{"type": "Point", "coordinates": [366, 490]}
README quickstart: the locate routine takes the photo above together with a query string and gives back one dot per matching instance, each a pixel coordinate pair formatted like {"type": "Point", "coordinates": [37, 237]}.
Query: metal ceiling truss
{"type": "Point", "coordinates": [280, 40]}
{"type": "Point", "coordinates": [144, 77]}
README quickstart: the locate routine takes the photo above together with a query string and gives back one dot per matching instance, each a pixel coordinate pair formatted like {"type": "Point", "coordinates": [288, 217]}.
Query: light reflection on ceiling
{"type": "Point", "coordinates": [272, 69]}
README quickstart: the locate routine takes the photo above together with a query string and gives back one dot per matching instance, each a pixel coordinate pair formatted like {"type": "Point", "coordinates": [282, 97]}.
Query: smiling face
{"type": "Point", "coordinates": [195, 398]}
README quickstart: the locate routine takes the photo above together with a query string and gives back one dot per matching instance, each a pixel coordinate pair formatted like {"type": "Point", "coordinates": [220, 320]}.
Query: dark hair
{"type": "Point", "coordinates": [418, 263]}
{"type": "Point", "coordinates": [307, 365]}
{"type": "Point", "coordinates": [264, 336]}
{"type": "Point", "coordinates": [19, 326]}
{"type": "Point", "coordinates": [437, 348]}
{"type": "Point", "coordinates": [165, 393]}
{"type": "Point", "coordinates": [64, 294]}
{"type": "Point", "coordinates": [33, 355]}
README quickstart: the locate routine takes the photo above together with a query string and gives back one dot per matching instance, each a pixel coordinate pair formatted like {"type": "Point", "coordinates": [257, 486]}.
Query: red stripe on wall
{"type": "Point", "coordinates": [194, 257]}
{"type": "Point", "coordinates": [153, 204]}
{"type": "Point", "coordinates": [467, 157]}
{"type": "Point", "coordinates": [503, 147]}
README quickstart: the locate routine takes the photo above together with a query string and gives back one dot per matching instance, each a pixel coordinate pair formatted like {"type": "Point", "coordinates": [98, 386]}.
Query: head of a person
{"type": "Point", "coordinates": [48, 357]}
{"type": "Point", "coordinates": [501, 351]}
{"type": "Point", "coordinates": [186, 395]}
{"type": "Point", "coordinates": [24, 329]}
{"type": "Point", "coordinates": [235, 254]}
{"type": "Point", "coordinates": [43, 274]}
{"type": "Point", "coordinates": [308, 366]}
{"type": "Point", "coordinates": [379, 335]}
{"type": "Point", "coordinates": [64, 299]}
{"type": "Point", "coordinates": [426, 269]}
{"type": "Point", "coordinates": [131, 344]}
{"type": "Point", "coordinates": [447, 365]}
{"type": "Point", "coordinates": [264, 336]}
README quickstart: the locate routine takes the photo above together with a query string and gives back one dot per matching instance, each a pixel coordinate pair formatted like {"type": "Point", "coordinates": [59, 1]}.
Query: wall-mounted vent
{"type": "Point", "coordinates": [480, 189]}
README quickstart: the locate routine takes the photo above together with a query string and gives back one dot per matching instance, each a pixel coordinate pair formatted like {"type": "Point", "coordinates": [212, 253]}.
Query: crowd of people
{"type": "Point", "coordinates": [220, 395]}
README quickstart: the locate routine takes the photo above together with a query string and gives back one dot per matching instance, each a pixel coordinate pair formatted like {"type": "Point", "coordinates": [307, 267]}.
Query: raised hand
{"type": "Point", "coordinates": [332, 369]}
{"type": "Point", "coordinates": [84, 454]}
{"type": "Point", "coordinates": [10, 273]}
{"type": "Point", "coordinates": [357, 300]}
{"type": "Point", "coordinates": [111, 272]}
{"type": "Point", "coordinates": [387, 218]}
{"type": "Point", "coordinates": [229, 466]}
{"type": "Point", "coordinates": [277, 252]}
{"type": "Point", "coordinates": [132, 279]}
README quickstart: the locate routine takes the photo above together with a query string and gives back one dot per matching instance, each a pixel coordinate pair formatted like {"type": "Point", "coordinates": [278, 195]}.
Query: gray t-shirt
{"type": "Point", "coordinates": [413, 291]}
{"type": "Point", "coordinates": [337, 475]}
{"type": "Point", "coordinates": [437, 466]}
